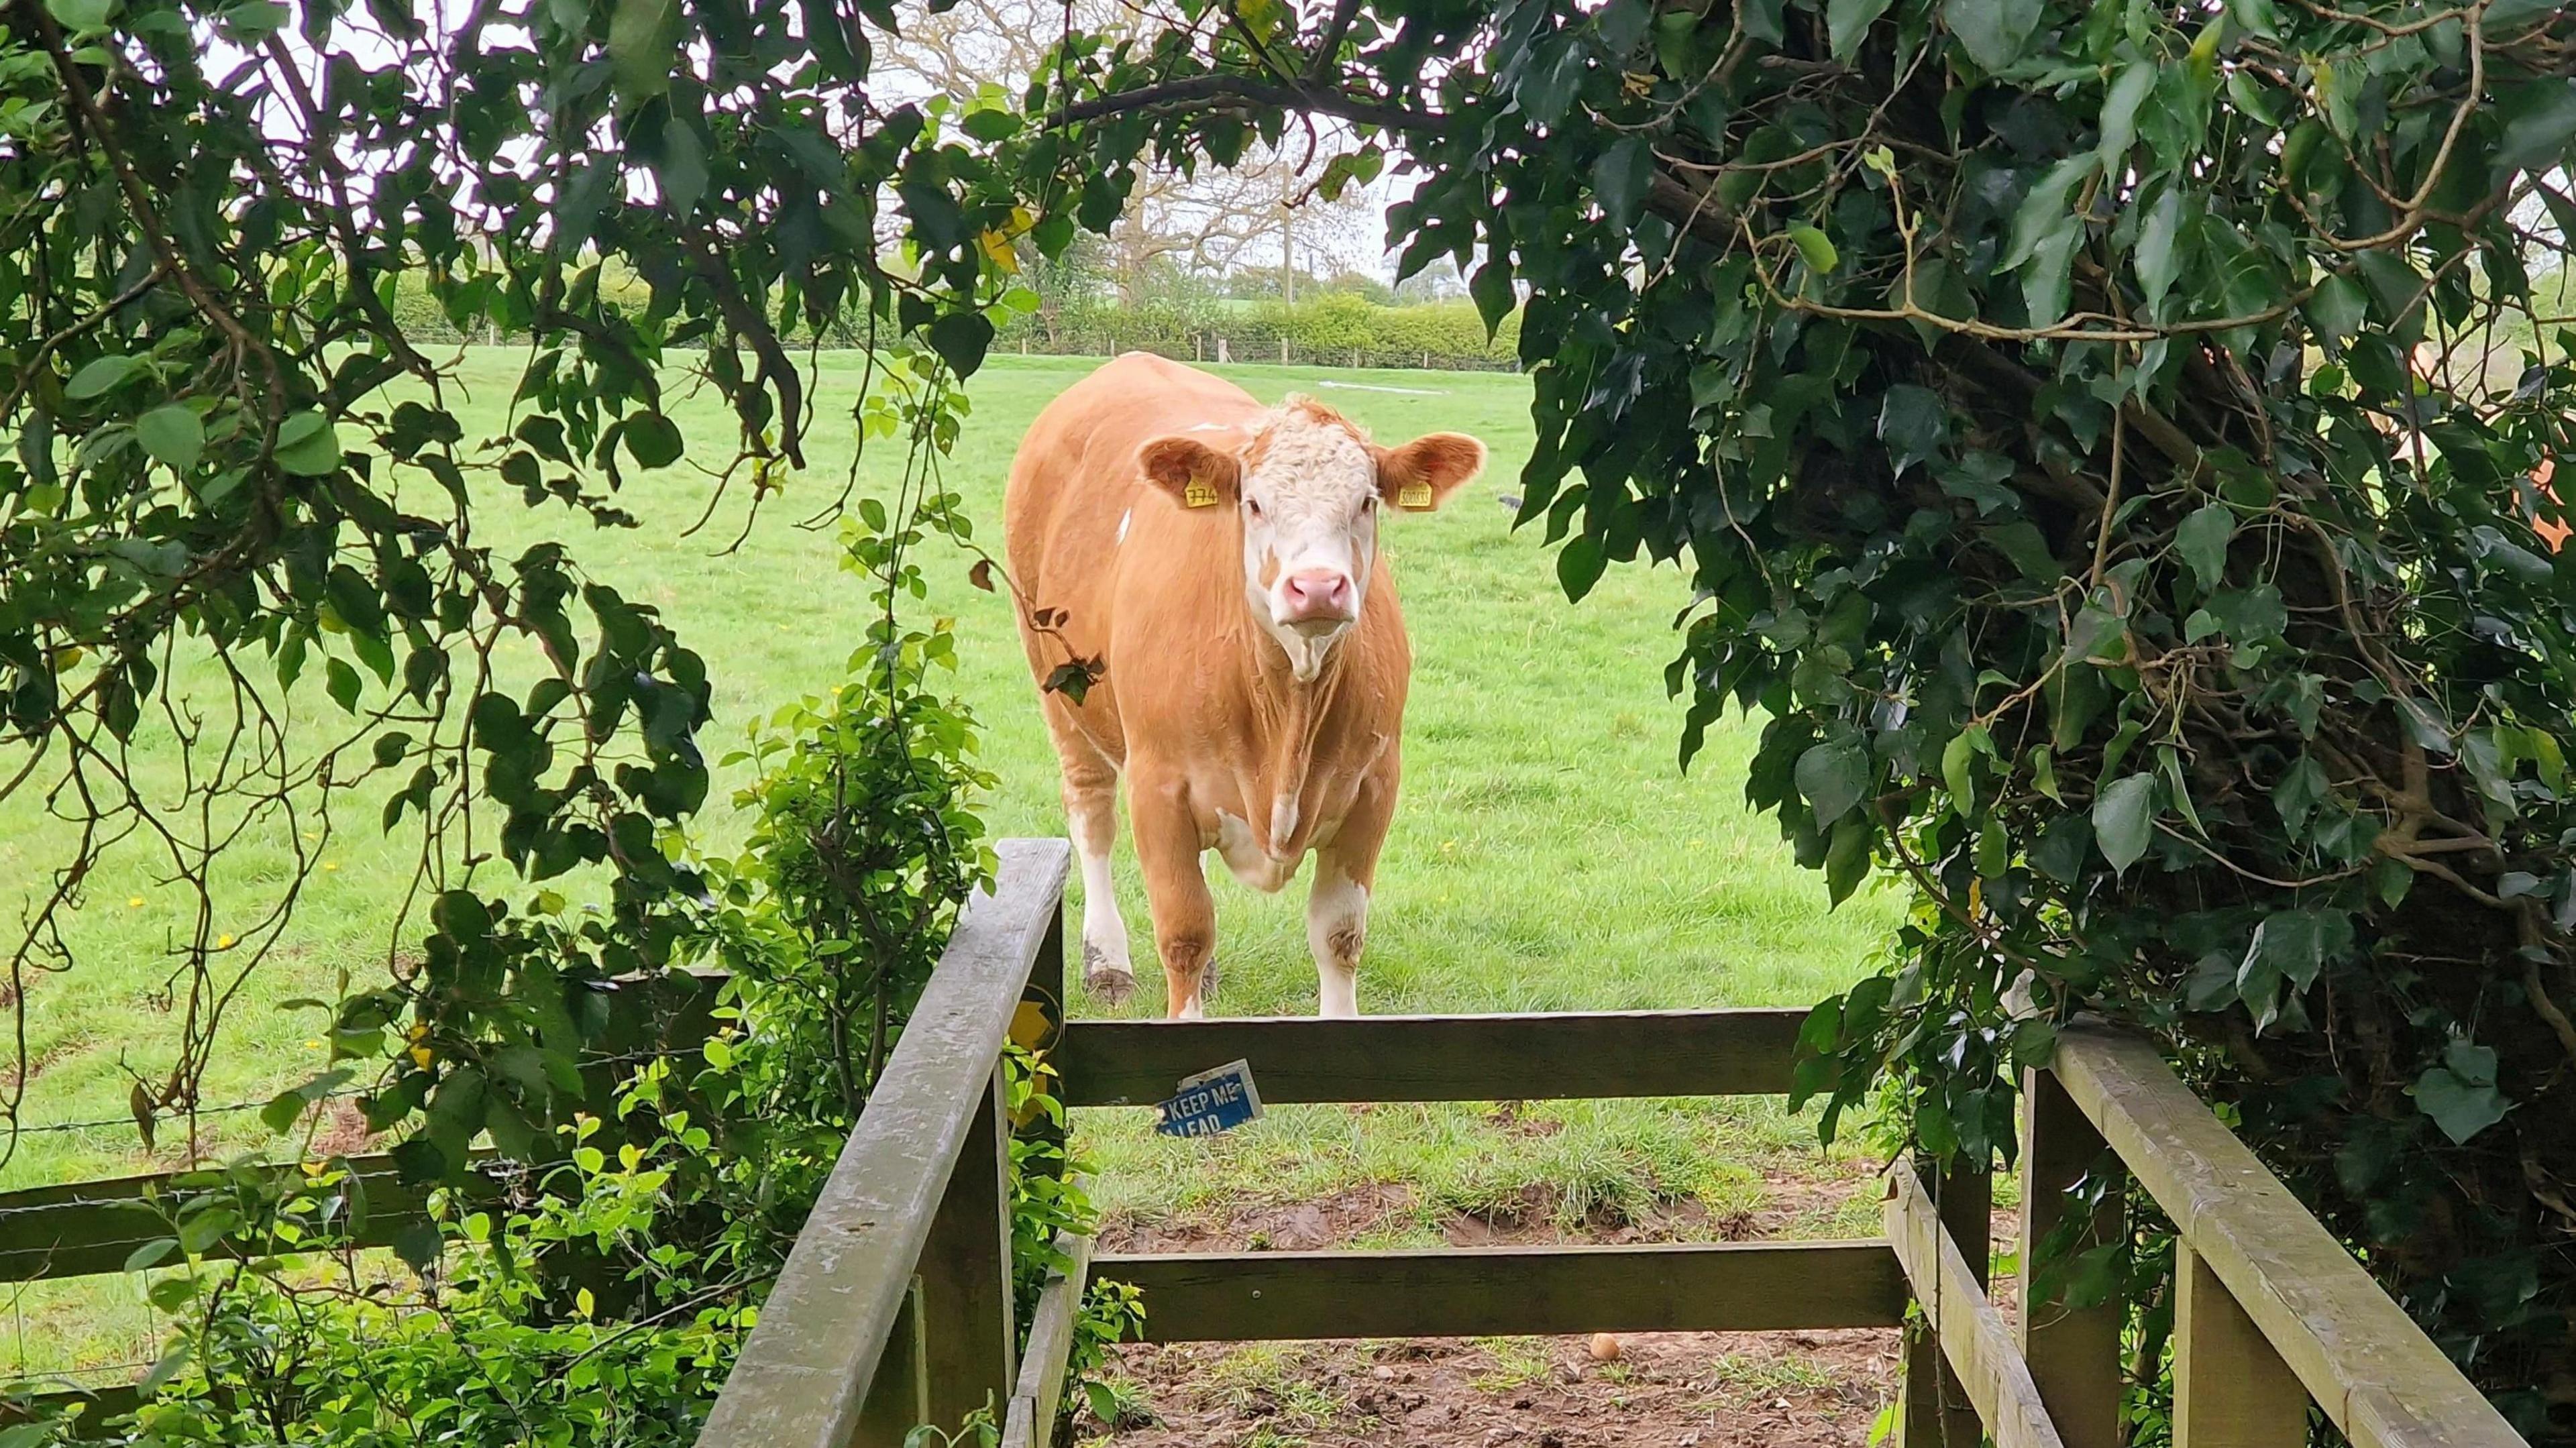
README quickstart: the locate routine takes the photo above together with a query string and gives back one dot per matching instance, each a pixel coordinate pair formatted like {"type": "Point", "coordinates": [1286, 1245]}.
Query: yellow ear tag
{"type": "Point", "coordinates": [1198, 494]}
{"type": "Point", "coordinates": [1413, 495]}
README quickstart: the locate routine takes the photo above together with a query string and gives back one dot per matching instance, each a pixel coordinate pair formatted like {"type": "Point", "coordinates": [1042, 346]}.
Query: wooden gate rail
{"type": "Point", "coordinates": [1471, 1292]}
{"type": "Point", "coordinates": [2270, 1311]}
{"type": "Point", "coordinates": [1512, 1291]}
{"type": "Point", "coordinates": [1569, 1056]}
{"type": "Point", "coordinates": [894, 1308]}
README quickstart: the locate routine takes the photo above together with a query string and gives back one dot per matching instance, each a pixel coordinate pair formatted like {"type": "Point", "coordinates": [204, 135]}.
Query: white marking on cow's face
{"type": "Point", "coordinates": [1123, 520]}
{"type": "Point", "coordinates": [1305, 489]}
{"type": "Point", "coordinates": [1309, 502]}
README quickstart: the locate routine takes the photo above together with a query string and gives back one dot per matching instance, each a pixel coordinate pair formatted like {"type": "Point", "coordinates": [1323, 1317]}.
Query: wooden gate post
{"type": "Point", "coordinates": [1934, 1410]}
{"type": "Point", "coordinates": [2073, 1352]}
{"type": "Point", "coordinates": [2231, 1389]}
{"type": "Point", "coordinates": [969, 1340]}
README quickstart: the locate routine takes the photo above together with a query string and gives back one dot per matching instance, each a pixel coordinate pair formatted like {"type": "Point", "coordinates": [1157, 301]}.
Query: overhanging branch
{"type": "Point", "coordinates": [1200, 90]}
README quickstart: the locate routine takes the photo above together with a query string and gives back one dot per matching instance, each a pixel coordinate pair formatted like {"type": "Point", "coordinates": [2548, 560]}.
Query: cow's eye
{"type": "Point", "coordinates": [1252, 507]}
{"type": "Point", "coordinates": [1368, 504]}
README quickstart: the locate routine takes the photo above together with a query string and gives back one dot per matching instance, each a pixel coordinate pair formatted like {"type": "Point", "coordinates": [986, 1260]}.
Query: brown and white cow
{"type": "Point", "coordinates": [1220, 559]}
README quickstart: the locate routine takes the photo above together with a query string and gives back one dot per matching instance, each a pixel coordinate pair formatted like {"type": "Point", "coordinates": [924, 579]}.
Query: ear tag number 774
{"type": "Point", "coordinates": [1198, 494]}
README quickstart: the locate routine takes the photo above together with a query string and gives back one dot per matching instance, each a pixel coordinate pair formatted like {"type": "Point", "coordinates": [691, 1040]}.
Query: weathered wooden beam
{"type": "Point", "coordinates": [2378, 1377]}
{"type": "Point", "coordinates": [2231, 1390]}
{"type": "Point", "coordinates": [1039, 1396]}
{"type": "Point", "coordinates": [1499, 1291]}
{"type": "Point", "coordinates": [2073, 1352]}
{"type": "Point", "coordinates": [1986, 1366]}
{"type": "Point", "coordinates": [1576, 1056]}
{"type": "Point", "coordinates": [807, 1367]}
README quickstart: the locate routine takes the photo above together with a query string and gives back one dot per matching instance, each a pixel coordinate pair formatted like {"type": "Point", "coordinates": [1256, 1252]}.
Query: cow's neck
{"type": "Point", "coordinates": [1290, 705]}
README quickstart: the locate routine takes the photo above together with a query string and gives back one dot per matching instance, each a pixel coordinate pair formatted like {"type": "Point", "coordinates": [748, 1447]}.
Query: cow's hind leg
{"type": "Point", "coordinates": [1337, 904]}
{"type": "Point", "coordinates": [1091, 813]}
{"type": "Point", "coordinates": [1167, 848]}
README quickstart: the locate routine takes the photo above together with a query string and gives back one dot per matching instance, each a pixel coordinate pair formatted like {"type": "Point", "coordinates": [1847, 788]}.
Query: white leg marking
{"type": "Point", "coordinates": [1193, 1009]}
{"type": "Point", "coordinates": [1104, 930]}
{"type": "Point", "coordinates": [1336, 931]}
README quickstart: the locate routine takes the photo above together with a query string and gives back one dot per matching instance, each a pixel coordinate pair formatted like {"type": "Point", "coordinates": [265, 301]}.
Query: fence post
{"type": "Point", "coordinates": [2073, 1352]}
{"type": "Point", "coordinates": [2231, 1389]}
{"type": "Point", "coordinates": [1934, 1410]}
{"type": "Point", "coordinates": [969, 1341]}
{"type": "Point", "coordinates": [899, 1395]}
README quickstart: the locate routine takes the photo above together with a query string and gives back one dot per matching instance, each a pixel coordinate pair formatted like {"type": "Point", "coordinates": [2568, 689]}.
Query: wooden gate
{"type": "Point", "coordinates": [895, 1306]}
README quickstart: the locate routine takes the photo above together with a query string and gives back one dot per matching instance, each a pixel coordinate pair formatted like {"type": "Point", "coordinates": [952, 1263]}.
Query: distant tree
{"type": "Point", "coordinates": [1204, 217]}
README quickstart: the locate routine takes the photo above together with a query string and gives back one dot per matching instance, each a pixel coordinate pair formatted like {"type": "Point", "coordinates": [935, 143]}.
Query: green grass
{"type": "Point", "coordinates": [1547, 854]}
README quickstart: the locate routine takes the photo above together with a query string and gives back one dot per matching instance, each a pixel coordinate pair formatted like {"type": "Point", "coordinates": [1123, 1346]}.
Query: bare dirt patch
{"type": "Point", "coordinates": [1687, 1390]}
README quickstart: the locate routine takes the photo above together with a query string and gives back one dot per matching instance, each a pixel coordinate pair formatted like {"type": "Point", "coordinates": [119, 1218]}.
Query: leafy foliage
{"type": "Point", "coordinates": [228, 233]}
{"type": "Point", "coordinates": [2103, 437]}
{"type": "Point", "coordinates": [236, 472]}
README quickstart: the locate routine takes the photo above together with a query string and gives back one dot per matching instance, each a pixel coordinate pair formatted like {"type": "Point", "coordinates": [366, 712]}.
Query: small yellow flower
{"type": "Point", "coordinates": [313, 1045]}
{"type": "Point", "coordinates": [134, 903]}
{"type": "Point", "coordinates": [330, 864]}
{"type": "Point", "coordinates": [223, 942]}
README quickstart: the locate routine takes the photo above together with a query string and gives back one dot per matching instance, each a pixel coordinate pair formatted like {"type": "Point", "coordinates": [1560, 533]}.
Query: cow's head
{"type": "Point", "coordinates": [1307, 491]}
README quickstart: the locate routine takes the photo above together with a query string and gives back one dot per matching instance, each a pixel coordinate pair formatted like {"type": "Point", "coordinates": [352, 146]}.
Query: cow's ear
{"type": "Point", "coordinates": [1196, 475]}
{"type": "Point", "coordinates": [1421, 475]}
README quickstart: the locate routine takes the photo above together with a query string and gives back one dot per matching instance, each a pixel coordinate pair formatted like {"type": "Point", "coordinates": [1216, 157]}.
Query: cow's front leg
{"type": "Point", "coordinates": [1091, 808]}
{"type": "Point", "coordinates": [1167, 848]}
{"type": "Point", "coordinates": [1337, 904]}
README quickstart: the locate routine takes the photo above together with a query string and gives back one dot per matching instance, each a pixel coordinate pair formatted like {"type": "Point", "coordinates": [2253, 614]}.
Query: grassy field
{"type": "Point", "coordinates": [1547, 855]}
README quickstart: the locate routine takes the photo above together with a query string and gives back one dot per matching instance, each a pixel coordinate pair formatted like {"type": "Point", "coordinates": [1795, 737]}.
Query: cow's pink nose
{"type": "Point", "coordinates": [1318, 593]}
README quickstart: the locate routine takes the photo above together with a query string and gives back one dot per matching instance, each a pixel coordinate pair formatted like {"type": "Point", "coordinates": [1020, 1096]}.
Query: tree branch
{"type": "Point", "coordinates": [1199, 90]}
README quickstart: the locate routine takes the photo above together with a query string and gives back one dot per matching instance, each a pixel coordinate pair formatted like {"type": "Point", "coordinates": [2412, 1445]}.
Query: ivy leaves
{"type": "Point", "coordinates": [2460, 1094]}
{"type": "Point", "coordinates": [1833, 777]}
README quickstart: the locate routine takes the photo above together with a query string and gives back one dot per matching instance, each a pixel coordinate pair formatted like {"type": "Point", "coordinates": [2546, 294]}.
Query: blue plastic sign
{"type": "Point", "coordinates": [1210, 1102]}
